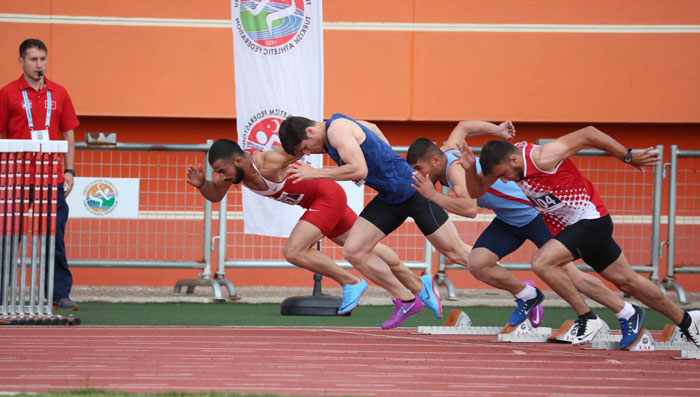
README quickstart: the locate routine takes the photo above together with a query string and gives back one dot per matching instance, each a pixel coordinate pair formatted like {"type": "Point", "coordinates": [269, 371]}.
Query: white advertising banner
{"type": "Point", "coordinates": [356, 195]}
{"type": "Point", "coordinates": [278, 59]}
{"type": "Point", "coordinates": [104, 198]}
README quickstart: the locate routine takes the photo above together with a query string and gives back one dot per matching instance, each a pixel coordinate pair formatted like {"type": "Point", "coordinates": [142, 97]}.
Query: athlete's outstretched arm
{"type": "Point", "coordinates": [213, 191]}
{"type": "Point", "coordinates": [548, 156]}
{"type": "Point", "coordinates": [469, 128]}
{"type": "Point", "coordinates": [477, 184]}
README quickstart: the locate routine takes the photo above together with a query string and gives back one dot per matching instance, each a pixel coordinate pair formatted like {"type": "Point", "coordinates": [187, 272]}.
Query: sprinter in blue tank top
{"type": "Point", "coordinates": [516, 220]}
{"type": "Point", "coordinates": [364, 155]}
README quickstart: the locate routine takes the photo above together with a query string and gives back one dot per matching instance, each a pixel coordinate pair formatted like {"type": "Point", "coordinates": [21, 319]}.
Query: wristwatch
{"type": "Point", "coordinates": [628, 156]}
{"type": "Point", "coordinates": [70, 171]}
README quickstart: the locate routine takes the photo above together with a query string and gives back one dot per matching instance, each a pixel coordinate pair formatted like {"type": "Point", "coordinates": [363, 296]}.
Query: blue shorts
{"type": "Point", "coordinates": [502, 238]}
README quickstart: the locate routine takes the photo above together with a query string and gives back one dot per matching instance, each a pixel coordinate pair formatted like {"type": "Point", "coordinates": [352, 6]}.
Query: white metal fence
{"type": "Point", "coordinates": [174, 225]}
{"type": "Point", "coordinates": [683, 218]}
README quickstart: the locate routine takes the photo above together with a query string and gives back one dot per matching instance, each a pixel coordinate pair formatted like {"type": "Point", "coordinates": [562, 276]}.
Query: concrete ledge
{"type": "Point", "coordinates": [373, 296]}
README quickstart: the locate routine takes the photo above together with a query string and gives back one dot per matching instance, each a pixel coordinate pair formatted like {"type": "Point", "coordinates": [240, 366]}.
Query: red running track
{"type": "Point", "coordinates": [356, 361]}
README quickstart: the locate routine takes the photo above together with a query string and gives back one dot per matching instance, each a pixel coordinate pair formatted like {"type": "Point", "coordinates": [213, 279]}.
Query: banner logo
{"type": "Point", "coordinates": [271, 27]}
{"type": "Point", "coordinates": [262, 130]}
{"type": "Point", "coordinates": [100, 197]}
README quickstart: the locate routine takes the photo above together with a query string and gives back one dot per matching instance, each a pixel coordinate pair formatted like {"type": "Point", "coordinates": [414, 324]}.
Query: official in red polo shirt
{"type": "Point", "coordinates": [33, 107]}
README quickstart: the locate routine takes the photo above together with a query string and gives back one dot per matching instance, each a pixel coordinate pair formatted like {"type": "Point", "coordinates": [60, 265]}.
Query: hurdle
{"type": "Point", "coordinates": [28, 199]}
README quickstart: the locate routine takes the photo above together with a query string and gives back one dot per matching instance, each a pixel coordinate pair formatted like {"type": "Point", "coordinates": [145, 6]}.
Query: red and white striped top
{"type": "Point", "coordinates": [563, 196]}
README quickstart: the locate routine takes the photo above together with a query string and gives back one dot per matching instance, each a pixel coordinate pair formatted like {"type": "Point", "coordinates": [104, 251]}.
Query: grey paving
{"type": "Point", "coordinates": [373, 296]}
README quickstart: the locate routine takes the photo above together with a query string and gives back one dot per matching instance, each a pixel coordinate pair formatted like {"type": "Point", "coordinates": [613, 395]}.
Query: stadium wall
{"type": "Point", "coordinates": [161, 71]}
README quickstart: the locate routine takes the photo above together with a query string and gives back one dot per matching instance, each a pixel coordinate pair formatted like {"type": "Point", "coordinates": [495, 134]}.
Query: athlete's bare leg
{"type": "Point", "coordinates": [627, 280]}
{"type": "Point", "coordinates": [592, 287]}
{"type": "Point", "coordinates": [409, 279]}
{"type": "Point", "coordinates": [483, 264]}
{"type": "Point", "coordinates": [548, 263]}
{"type": "Point", "coordinates": [300, 250]}
{"type": "Point", "coordinates": [358, 250]}
{"type": "Point", "coordinates": [447, 241]}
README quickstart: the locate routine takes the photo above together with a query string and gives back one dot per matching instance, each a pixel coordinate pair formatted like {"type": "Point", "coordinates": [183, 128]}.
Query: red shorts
{"type": "Point", "coordinates": [330, 212]}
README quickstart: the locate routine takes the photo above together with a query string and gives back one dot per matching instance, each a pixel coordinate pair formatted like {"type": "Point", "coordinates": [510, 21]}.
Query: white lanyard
{"type": "Point", "coordinates": [28, 109]}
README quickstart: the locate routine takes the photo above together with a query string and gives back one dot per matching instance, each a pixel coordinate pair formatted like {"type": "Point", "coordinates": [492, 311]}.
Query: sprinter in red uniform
{"type": "Point", "coordinates": [265, 173]}
{"type": "Point", "coordinates": [578, 220]}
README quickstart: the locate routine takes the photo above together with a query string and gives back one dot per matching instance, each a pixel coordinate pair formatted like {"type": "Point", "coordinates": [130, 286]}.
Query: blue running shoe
{"type": "Point", "coordinates": [429, 295]}
{"type": "Point", "coordinates": [631, 327]}
{"type": "Point", "coordinates": [351, 296]}
{"type": "Point", "coordinates": [524, 307]}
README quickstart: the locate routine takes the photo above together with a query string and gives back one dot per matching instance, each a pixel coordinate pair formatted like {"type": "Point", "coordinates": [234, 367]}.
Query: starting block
{"type": "Point", "coordinates": [566, 333]}
{"type": "Point", "coordinates": [689, 355]}
{"type": "Point", "coordinates": [673, 339]}
{"type": "Point", "coordinates": [458, 318]}
{"type": "Point", "coordinates": [644, 342]}
{"type": "Point", "coordinates": [604, 339]}
{"type": "Point", "coordinates": [458, 323]}
{"type": "Point", "coordinates": [524, 332]}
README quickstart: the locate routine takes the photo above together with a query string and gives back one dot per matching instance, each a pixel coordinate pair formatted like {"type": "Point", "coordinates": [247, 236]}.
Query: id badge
{"type": "Point", "coordinates": [40, 135]}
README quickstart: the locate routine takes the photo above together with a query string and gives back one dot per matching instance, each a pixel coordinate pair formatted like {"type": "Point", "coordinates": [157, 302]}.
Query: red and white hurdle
{"type": "Point", "coordinates": [28, 197]}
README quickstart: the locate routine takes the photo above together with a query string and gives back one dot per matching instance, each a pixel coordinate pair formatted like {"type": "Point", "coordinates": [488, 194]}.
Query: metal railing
{"type": "Point", "coordinates": [260, 251]}
{"type": "Point", "coordinates": [683, 214]}
{"type": "Point", "coordinates": [174, 226]}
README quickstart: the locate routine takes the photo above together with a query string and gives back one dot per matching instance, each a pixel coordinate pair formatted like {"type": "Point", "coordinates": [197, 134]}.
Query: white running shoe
{"type": "Point", "coordinates": [693, 332]}
{"type": "Point", "coordinates": [587, 330]}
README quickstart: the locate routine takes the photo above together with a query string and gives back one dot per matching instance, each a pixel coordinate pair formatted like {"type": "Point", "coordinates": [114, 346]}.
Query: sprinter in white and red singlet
{"type": "Point", "coordinates": [327, 214]}
{"type": "Point", "coordinates": [579, 221]}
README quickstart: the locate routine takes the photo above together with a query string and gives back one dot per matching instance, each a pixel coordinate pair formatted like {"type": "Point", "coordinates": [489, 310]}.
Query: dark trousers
{"type": "Point", "coordinates": [62, 277]}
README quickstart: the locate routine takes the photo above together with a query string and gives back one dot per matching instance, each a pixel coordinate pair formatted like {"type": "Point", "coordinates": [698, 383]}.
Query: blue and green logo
{"type": "Point", "coordinates": [100, 197]}
{"type": "Point", "coordinates": [271, 27]}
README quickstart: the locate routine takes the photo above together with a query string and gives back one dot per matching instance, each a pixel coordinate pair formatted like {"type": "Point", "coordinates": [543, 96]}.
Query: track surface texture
{"type": "Point", "coordinates": [320, 361]}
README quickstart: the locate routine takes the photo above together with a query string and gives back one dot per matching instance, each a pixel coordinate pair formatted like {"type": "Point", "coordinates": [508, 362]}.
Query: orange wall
{"type": "Point", "coordinates": [116, 70]}
{"type": "Point", "coordinates": [175, 84]}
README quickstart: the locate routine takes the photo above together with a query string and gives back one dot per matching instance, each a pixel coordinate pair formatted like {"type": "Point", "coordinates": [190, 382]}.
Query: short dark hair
{"type": "Point", "coordinates": [224, 149]}
{"type": "Point", "coordinates": [293, 131]}
{"type": "Point", "coordinates": [493, 153]}
{"type": "Point", "coordinates": [31, 43]}
{"type": "Point", "coordinates": [422, 148]}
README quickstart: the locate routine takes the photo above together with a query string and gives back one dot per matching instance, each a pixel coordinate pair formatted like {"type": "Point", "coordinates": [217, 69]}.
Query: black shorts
{"type": "Point", "coordinates": [592, 241]}
{"type": "Point", "coordinates": [502, 238]}
{"type": "Point", "coordinates": [388, 217]}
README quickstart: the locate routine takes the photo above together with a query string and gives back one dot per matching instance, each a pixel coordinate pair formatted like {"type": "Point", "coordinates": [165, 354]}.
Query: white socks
{"type": "Point", "coordinates": [529, 292]}
{"type": "Point", "coordinates": [626, 312]}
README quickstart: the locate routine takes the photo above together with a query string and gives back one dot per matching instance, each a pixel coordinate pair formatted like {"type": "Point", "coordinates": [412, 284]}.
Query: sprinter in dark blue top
{"type": "Point", "coordinates": [387, 172]}
{"type": "Point", "coordinates": [364, 155]}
